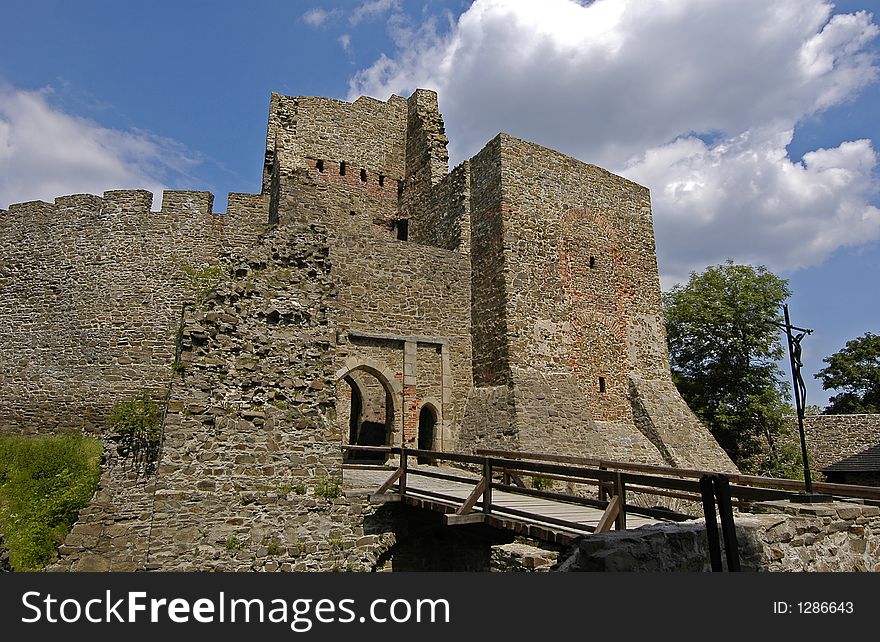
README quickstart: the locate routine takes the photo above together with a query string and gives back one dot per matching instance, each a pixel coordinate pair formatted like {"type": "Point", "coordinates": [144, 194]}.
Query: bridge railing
{"type": "Point", "coordinates": [506, 473]}
{"type": "Point", "coordinates": [792, 486]}
{"type": "Point", "coordinates": [504, 470]}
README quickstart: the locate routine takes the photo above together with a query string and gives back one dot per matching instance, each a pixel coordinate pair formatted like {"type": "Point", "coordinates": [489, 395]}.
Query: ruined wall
{"type": "Point", "coordinates": [250, 469]}
{"type": "Point", "coordinates": [91, 292]}
{"type": "Point", "coordinates": [367, 133]}
{"type": "Point", "coordinates": [785, 537]}
{"type": "Point", "coordinates": [112, 533]}
{"type": "Point", "coordinates": [427, 161]}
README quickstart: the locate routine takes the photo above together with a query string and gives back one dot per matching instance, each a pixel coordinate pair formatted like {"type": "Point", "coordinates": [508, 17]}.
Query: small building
{"type": "Point", "coordinates": [863, 468]}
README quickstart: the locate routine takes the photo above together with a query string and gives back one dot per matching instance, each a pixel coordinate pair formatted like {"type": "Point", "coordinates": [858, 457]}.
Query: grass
{"type": "Point", "coordinates": [44, 483]}
{"type": "Point", "coordinates": [328, 487]}
{"type": "Point", "coordinates": [234, 544]}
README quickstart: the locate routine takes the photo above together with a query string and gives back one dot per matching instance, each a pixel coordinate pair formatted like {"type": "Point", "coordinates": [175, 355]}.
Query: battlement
{"type": "Point", "coordinates": [31, 208]}
{"type": "Point", "coordinates": [137, 202]}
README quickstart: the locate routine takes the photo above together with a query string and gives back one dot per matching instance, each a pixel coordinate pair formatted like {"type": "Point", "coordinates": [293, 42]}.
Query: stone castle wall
{"type": "Point", "coordinates": [567, 312]}
{"type": "Point", "coordinates": [517, 298]}
{"type": "Point", "coordinates": [250, 470]}
{"type": "Point", "coordinates": [831, 438]}
{"type": "Point", "coordinates": [92, 293]}
{"type": "Point", "coordinates": [366, 134]}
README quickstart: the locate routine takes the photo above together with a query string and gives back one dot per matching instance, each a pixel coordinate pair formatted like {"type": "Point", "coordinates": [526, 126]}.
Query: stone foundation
{"type": "Point", "coordinates": [839, 536]}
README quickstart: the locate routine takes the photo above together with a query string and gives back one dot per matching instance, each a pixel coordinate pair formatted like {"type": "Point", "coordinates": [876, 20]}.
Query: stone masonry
{"type": "Point", "coordinates": [831, 438]}
{"type": "Point", "coordinates": [368, 295]}
{"type": "Point", "coordinates": [779, 536]}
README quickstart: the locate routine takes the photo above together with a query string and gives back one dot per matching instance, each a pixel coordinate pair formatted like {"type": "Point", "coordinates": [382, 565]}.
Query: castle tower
{"type": "Point", "coordinates": [569, 346]}
{"type": "Point", "coordinates": [518, 293]}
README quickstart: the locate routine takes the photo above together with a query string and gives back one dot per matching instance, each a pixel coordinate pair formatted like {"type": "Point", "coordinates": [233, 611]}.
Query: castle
{"type": "Point", "coordinates": [368, 295]}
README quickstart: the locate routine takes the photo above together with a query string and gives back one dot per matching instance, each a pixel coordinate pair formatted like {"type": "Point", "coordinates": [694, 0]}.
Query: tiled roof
{"type": "Point", "coordinates": [866, 461]}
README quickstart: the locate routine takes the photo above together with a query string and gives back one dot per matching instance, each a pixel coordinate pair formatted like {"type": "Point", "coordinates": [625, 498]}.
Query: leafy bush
{"type": "Point", "coordinates": [44, 483]}
{"type": "Point", "coordinates": [138, 425]}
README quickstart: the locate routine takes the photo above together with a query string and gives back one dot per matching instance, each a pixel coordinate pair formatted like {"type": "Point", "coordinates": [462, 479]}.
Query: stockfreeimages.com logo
{"type": "Point", "coordinates": [300, 614]}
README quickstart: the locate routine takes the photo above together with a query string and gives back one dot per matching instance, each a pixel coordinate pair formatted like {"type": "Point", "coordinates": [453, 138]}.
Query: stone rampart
{"type": "Point", "coordinates": [92, 292]}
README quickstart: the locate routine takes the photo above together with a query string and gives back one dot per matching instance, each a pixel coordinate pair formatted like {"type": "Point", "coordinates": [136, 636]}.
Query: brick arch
{"type": "Point", "coordinates": [389, 381]}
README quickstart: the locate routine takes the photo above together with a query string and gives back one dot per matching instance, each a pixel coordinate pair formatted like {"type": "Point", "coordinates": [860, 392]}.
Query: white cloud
{"type": "Point", "coordinates": [371, 9]}
{"type": "Point", "coordinates": [318, 17]}
{"type": "Point", "coordinates": [638, 87]}
{"type": "Point", "coordinates": [345, 42]}
{"type": "Point", "coordinates": [45, 153]}
{"type": "Point", "coordinates": [744, 198]}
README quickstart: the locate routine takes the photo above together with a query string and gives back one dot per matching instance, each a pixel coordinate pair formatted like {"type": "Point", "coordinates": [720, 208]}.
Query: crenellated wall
{"type": "Point", "coordinates": [91, 293]}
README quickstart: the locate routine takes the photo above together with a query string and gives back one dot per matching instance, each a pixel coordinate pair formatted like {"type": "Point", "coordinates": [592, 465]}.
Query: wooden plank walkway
{"type": "Point", "coordinates": [422, 491]}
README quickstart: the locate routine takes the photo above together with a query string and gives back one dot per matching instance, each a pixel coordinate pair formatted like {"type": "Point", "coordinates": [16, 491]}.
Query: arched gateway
{"type": "Point", "coordinates": [369, 407]}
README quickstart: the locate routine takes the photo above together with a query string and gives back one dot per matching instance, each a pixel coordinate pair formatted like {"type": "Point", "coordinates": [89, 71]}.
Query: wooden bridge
{"type": "Point", "coordinates": [489, 487]}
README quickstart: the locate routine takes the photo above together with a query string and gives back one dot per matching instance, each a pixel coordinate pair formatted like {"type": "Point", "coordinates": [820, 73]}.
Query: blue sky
{"type": "Point", "coordinates": [753, 122]}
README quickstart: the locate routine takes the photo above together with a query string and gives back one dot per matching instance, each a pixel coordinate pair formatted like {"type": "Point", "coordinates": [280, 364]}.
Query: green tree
{"type": "Point", "coordinates": [854, 369]}
{"type": "Point", "coordinates": [724, 347]}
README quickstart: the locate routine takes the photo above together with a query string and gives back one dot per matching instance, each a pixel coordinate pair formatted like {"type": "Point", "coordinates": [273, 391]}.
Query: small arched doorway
{"type": "Point", "coordinates": [427, 430]}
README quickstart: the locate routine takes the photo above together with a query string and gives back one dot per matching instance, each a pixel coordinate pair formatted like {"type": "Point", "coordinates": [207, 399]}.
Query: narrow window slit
{"type": "Point", "coordinates": [592, 261]}
{"type": "Point", "coordinates": [381, 180]}
{"type": "Point", "coordinates": [342, 168]}
{"type": "Point", "coordinates": [363, 176]}
{"type": "Point", "coordinates": [403, 229]}
{"type": "Point", "coordinates": [601, 384]}
{"type": "Point", "coordinates": [319, 165]}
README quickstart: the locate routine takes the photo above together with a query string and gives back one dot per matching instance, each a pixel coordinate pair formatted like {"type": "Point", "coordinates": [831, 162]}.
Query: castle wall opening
{"type": "Point", "coordinates": [427, 430]}
{"type": "Point", "coordinates": [367, 404]}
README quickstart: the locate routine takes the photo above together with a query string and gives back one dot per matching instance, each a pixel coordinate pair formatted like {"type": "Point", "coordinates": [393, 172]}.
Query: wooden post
{"type": "Point", "coordinates": [603, 491]}
{"type": "Point", "coordinates": [403, 458]}
{"type": "Point", "coordinates": [620, 491]}
{"type": "Point", "coordinates": [707, 490]}
{"type": "Point", "coordinates": [487, 494]}
{"type": "Point", "coordinates": [728, 528]}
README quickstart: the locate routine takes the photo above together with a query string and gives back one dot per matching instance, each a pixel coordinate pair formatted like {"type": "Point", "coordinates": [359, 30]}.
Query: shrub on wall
{"type": "Point", "coordinates": [44, 483]}
{"type": "Point", "coordinates": [137, 425]}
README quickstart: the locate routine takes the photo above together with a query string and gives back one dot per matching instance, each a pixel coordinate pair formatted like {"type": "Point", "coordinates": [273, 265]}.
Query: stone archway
{"type": "Point", "coordinates": [375, 414]}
